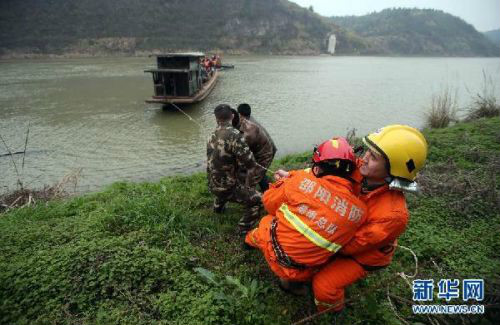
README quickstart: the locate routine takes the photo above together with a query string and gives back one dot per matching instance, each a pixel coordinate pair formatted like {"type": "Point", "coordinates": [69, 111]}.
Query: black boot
{"type": "Point", "coordinates": [219, 207]}
{"type": "Point", "coordinates": [294, 288]}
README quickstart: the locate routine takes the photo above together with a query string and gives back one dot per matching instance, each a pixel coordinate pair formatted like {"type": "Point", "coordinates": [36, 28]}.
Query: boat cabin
{"type": "Point", "coordinates": [177, 74]}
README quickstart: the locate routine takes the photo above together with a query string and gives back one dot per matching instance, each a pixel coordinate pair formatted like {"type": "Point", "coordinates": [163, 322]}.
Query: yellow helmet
{"type": "Point", "coordinates": [404, 148]}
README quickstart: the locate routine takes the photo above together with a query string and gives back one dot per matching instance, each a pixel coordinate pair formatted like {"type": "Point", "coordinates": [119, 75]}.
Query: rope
{"type": "Point", "coordinates": [403, 275]}
{"type": "Point", "coordinates": [406, 278]}
{"type": "Point", "coordinates": [188, 116]}
{"type": "Point", "coordinates": [203, 128]}
{"type": "Point", "coordinates": [269, 170]}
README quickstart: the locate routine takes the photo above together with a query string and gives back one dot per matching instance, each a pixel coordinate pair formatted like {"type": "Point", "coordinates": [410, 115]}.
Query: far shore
{"type": "Point", "coordinates": [138, 54]}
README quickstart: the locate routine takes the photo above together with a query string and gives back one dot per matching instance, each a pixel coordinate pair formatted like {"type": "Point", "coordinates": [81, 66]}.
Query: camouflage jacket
{"type": "Point", "coordinates": [227, 154]}
{"type": "Point", "coordinates": [258, 139]}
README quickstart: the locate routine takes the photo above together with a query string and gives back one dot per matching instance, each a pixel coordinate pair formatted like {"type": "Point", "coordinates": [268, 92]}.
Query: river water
{"type": "Point", "coordinates": [90, 114]}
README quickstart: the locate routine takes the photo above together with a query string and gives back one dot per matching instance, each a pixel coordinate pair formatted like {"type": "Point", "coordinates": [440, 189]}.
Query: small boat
{"type": "Point", "coordinates": [180, 79]}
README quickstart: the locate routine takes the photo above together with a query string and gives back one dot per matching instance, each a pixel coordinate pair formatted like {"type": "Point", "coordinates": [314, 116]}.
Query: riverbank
{"type": "Point", "coordinates": [155, 253]}
{"type": "Point", "coordinates": [143, 54]}
{"type": "Point", "coordinates": [101, 53]}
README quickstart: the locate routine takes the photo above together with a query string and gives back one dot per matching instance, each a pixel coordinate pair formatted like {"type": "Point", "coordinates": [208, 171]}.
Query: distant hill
{"type": "Point", "coordinates": [494, 36]}
{"type": "Point", "coordinates": [96, 27]}
{"type": "Point", "coordinates": [417, 32]}
{"type": "Point", "coordinates": [131, 26]}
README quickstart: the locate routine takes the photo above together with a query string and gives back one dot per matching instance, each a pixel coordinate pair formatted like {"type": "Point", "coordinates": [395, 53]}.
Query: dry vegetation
{"type": "Point", "coordinates": [26, 197]}
{"type": "Point", "coordinates": [23, 196]}
{"type": "Point", "coordinates": [484, 103]}
{"type": "Point", "coordinates": [444, 105]}
{"type": "Point", "coordinates": [443, 109]}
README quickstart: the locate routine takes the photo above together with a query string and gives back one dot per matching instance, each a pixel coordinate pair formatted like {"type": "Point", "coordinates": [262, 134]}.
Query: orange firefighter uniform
{"type": "Point", "coordinates": [310, 219]}
{"type": "Point", "coordinates": [371, 248]}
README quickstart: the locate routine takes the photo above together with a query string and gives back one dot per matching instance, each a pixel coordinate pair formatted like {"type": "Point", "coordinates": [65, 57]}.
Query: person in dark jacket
{"type": "Point", "coordinates": [260, 143]}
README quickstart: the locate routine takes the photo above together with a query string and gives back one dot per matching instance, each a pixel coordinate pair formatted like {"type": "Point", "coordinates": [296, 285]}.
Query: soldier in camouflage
{"type": "Point", "coordinates": [227, 155]}
{"type": "Point", "coordinates": [260, 143]}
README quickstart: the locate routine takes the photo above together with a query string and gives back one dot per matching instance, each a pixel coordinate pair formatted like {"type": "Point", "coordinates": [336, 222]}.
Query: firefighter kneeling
{"type": "Point", "coordinates": [312, 214]}
{"type": "Point", "coordinates": [395, 155]}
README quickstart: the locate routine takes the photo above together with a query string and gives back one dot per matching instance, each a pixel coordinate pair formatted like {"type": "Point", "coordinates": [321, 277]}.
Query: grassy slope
{"type": "Point", "coordinates": [127, 255]}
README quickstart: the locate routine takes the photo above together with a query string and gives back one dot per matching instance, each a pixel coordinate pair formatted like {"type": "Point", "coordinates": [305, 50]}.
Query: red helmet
{"type": "Point", "coordinates": [334, 149]}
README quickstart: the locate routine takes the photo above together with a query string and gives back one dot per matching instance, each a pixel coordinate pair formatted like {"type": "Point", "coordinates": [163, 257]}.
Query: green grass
{"type": "Point", "coordinates": [154, 253]}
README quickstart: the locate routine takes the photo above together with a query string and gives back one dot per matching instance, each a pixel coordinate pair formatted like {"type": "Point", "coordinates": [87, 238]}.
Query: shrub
{"type": "Point", "coordinates": [484, 104]}
{"type": "Point", "coordinates": [443, 109]}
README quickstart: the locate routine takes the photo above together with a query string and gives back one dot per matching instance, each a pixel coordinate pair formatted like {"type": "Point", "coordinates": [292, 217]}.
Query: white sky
{"type": "Point", "coordinates": [484, 15]}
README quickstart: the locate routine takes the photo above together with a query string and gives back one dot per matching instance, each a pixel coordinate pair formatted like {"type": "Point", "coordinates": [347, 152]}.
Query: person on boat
{"type": "Point", "coordinates": [209, 66]}
{"type": "Point", "coordinates": [206, 65]}
{"type": "Point", "coordinates": [396, 153]}
{"type": "Point", "coordinates": [259, 141]}
{"type": "Point", "coordinates": [227, 153]}
{"type": "Point", "coordinates": [203, 70]}
{"type": "Point", "coordinates": [218, 62]}
{"type": "Point", "coordinates": [312, 214]}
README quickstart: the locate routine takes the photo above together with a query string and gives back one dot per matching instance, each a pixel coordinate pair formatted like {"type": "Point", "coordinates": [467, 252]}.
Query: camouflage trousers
{"type": "Point", "coordinates": [249, 197]}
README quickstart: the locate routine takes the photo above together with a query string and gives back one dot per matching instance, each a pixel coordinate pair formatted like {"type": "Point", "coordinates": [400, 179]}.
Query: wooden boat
{"type": "Point", "coordinates": [180, 79]}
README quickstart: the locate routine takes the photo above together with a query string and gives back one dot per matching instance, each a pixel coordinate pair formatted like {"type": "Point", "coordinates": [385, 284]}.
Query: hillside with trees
{"type": "Point", "coordinates": [131, 26]}
{"type": "Point", "coordinates": [494, 36]}
{"type": "Point", "coordinates": [135, 27]}
{"type": "Point", "coordinates": [424, 32]}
